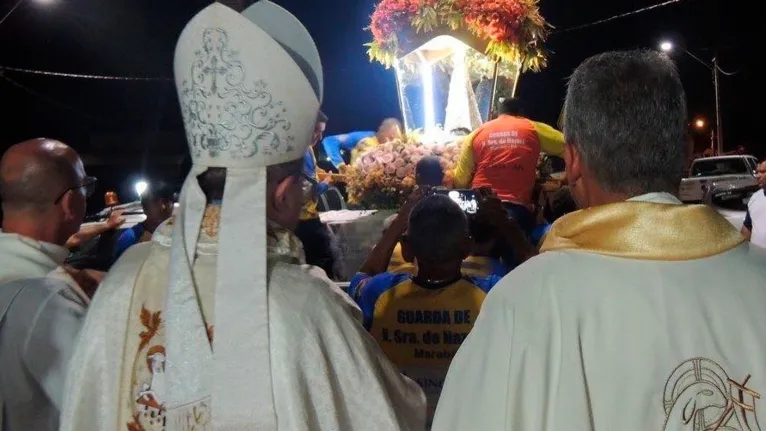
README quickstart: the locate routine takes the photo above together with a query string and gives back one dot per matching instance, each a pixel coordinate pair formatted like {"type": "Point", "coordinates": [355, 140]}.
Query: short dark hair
{"type": "Point", "coordinates": [429, 172]}
{"type": "Point", "coordinates": [625, 112]}
{"type": "Point", "coordinates": [158, 190]}
{"type": "Point", "coordinates": [213, 180]}
{"type": "Point", "coordinates": [437, 228]}
{"type": "Point", "coordinates": [511, 106]}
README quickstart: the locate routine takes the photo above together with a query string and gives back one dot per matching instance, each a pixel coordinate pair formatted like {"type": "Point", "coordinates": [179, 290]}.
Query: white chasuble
{"type": "Point", "coordinates": [637, 316]}
{"type": "Point", "coordinates": [328, 373]}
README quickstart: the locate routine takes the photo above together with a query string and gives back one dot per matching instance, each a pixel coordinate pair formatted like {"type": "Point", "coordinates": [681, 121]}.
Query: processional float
{"type": "Point", "coordinates": [452, 59]}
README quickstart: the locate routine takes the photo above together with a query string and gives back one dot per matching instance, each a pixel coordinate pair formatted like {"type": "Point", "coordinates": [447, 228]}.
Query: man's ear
{"type": "Point", "coordinates": [68, 205]}
{"type": "Point", "coordinates": [573, 162]}
{"type": "Point", "coordinates": [282, 192]}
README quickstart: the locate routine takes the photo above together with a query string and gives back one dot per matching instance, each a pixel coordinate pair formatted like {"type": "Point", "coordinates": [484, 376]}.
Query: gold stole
{"type": "Point", "coordinates": [644, 230]}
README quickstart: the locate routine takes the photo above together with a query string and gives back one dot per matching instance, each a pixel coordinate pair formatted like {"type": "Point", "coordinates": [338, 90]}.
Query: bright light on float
{"type": "Point", "coordinates": [141, 187]}
{"type": "Point", "coordinates": [459, 106]}
{"type": "Point", "coordinates": [666, 46]}
{"type": "Point", "coordinates": [427, 76]}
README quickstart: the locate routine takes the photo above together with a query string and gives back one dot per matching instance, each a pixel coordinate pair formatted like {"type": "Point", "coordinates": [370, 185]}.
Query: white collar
{"type": "Point", "coordinates": [657, 198]}
{"type": "Point", "coordinates": [56, 252]}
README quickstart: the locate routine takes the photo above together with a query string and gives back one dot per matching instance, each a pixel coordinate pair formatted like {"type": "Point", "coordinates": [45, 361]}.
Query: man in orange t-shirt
{"type": "Point", "coordinates": [503, 153]}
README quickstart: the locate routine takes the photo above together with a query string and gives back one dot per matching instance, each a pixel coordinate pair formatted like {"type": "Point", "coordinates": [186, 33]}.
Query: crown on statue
{"type": "Point", "coordinates": [247, 99]}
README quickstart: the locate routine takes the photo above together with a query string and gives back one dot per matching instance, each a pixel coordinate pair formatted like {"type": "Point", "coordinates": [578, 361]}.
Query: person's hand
{"type": "Point", "coordinates": [115, 220]}
{"type": "Point", "coordinates": [403, 216]}
{"type": "Point", "coordinates": [413, 200]}
{"type": "Point", "coordinates": [491, 210]}
{"type": "Point", "coordinates": [485, 192]}
{"type": "Point", "coordinates": [324, 177]}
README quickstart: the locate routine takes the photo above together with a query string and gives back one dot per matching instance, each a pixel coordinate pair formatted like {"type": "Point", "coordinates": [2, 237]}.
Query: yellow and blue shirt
{"type": "Point", "coordinates": [472, 266]}
{"type": "Point", "coordinates": [347, 141]}
{"type": "Point", "coordinates": [309, 210]}
{"type": "Point", "coordinates": [419, 326]}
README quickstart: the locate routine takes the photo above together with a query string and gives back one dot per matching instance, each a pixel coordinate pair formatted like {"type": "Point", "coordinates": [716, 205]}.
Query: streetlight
{"type": "Point", "coordinates": [16, 6]}
{"type": "Point", "coordinates": [141, 187]}
{"type": "Point", "coordinates": [700, 125]}
{"type": "Point", "coordinates": [667, 46]}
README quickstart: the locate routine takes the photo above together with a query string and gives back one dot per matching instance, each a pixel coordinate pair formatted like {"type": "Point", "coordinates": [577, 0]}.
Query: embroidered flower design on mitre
{"type": "Point", "coordinates": [226, 115]}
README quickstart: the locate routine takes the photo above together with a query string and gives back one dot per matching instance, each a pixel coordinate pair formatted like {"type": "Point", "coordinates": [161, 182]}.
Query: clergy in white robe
{"type": "Point", "coordinates": [217, 323]}
{"type": "Point", "coordinates": [640, 313]}
{"type": "Point", "coordinates": [43, 187]}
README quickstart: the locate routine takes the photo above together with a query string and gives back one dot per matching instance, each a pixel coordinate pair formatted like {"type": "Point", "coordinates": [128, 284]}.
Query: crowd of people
{"type": "Point", "coordinates": [636, 312]}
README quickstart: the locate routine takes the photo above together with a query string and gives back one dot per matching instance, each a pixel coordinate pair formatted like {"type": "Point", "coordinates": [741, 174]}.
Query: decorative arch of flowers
{"type": "Point", "coordinates": [514, 30]}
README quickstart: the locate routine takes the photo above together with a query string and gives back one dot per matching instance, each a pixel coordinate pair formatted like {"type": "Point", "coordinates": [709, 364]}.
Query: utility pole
{"type": "Point", "coordinates": [718, 128]}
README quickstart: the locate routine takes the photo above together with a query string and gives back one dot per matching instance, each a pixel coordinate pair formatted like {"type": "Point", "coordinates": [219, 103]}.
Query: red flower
{"type": "Point", "coordinates": [497, 20]}
{"type": "Point", "coordinates": [393, 16]}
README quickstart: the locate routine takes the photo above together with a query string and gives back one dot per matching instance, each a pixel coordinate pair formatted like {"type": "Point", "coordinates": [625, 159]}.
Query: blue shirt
{"type": "Point", "coordinates": [538, 233]}
{"type": "Point", "coordinates": [333, 144]}
{"type": "Point", "coordinates": [128, 239]}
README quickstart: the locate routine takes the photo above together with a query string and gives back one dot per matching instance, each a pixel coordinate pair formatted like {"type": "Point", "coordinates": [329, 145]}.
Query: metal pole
{"type": "Point", "coordinates": [398, 76]}
{"type": "Point", "coordinates": [718, 128]}
{"type": "Point", "coordinates": [516, 78]}
{"type": "Point", "coordinates": [493, 98]}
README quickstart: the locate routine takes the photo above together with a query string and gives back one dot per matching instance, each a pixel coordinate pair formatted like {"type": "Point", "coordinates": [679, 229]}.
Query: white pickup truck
{"type": "Point", "coordinates": [720, 171]}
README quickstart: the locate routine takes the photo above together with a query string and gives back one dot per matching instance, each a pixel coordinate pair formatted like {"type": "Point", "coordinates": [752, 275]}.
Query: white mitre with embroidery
{"type": "Point", "coordinates": [250, 87]}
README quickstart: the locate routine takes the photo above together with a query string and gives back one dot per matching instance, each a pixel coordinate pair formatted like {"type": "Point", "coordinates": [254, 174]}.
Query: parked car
{"type": "Point", "coordinates": [731, 201]}
{"type": "Point", "coordinates": [735, 170]}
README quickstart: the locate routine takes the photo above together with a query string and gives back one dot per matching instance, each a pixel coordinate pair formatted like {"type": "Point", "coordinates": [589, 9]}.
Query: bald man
{"type": "Point", "coordinates": [43, 188]}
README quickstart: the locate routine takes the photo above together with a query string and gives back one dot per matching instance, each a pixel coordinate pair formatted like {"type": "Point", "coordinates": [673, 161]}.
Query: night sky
{"type": "Point", "coordinates": [131, 128]}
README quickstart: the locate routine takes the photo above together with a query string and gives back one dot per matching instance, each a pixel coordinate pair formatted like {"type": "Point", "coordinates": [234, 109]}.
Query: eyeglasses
{"type": "Point", "coordinates": [88, 183]}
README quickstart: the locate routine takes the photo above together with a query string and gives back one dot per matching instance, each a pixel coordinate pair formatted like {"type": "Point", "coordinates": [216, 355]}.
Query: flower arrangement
{"type": "Point", "coordinates": [513, 29]}
{"type": "Point", "coordinates": [384, 176]}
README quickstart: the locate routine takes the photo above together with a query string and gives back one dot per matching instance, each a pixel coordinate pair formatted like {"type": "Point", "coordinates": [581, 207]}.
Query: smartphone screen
{"type": "Point", "coordinates": [465, 198]}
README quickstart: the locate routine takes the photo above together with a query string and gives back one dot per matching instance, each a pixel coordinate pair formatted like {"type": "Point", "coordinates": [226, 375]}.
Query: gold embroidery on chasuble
{"type": "Point", "coordinates": [143, 383]}
{"type": "Point", "coordinates": [700, 396]}
{"type": "Point", "coordinates": [644, 230]}
{"type": "Point", "coordinates": [147, 383]}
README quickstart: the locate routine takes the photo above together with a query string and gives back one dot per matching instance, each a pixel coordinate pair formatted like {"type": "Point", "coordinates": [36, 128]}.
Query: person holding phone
{"type": "Point", "coordinates": [503, 155]}
{"type": "Point", "coordinates": [420, 319]}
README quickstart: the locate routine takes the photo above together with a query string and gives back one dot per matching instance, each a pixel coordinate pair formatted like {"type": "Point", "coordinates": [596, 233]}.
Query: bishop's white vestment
{"type": "Point", "coordinates": [328, 373]}
{"type": "Point", "coordinates": [637, 316]}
